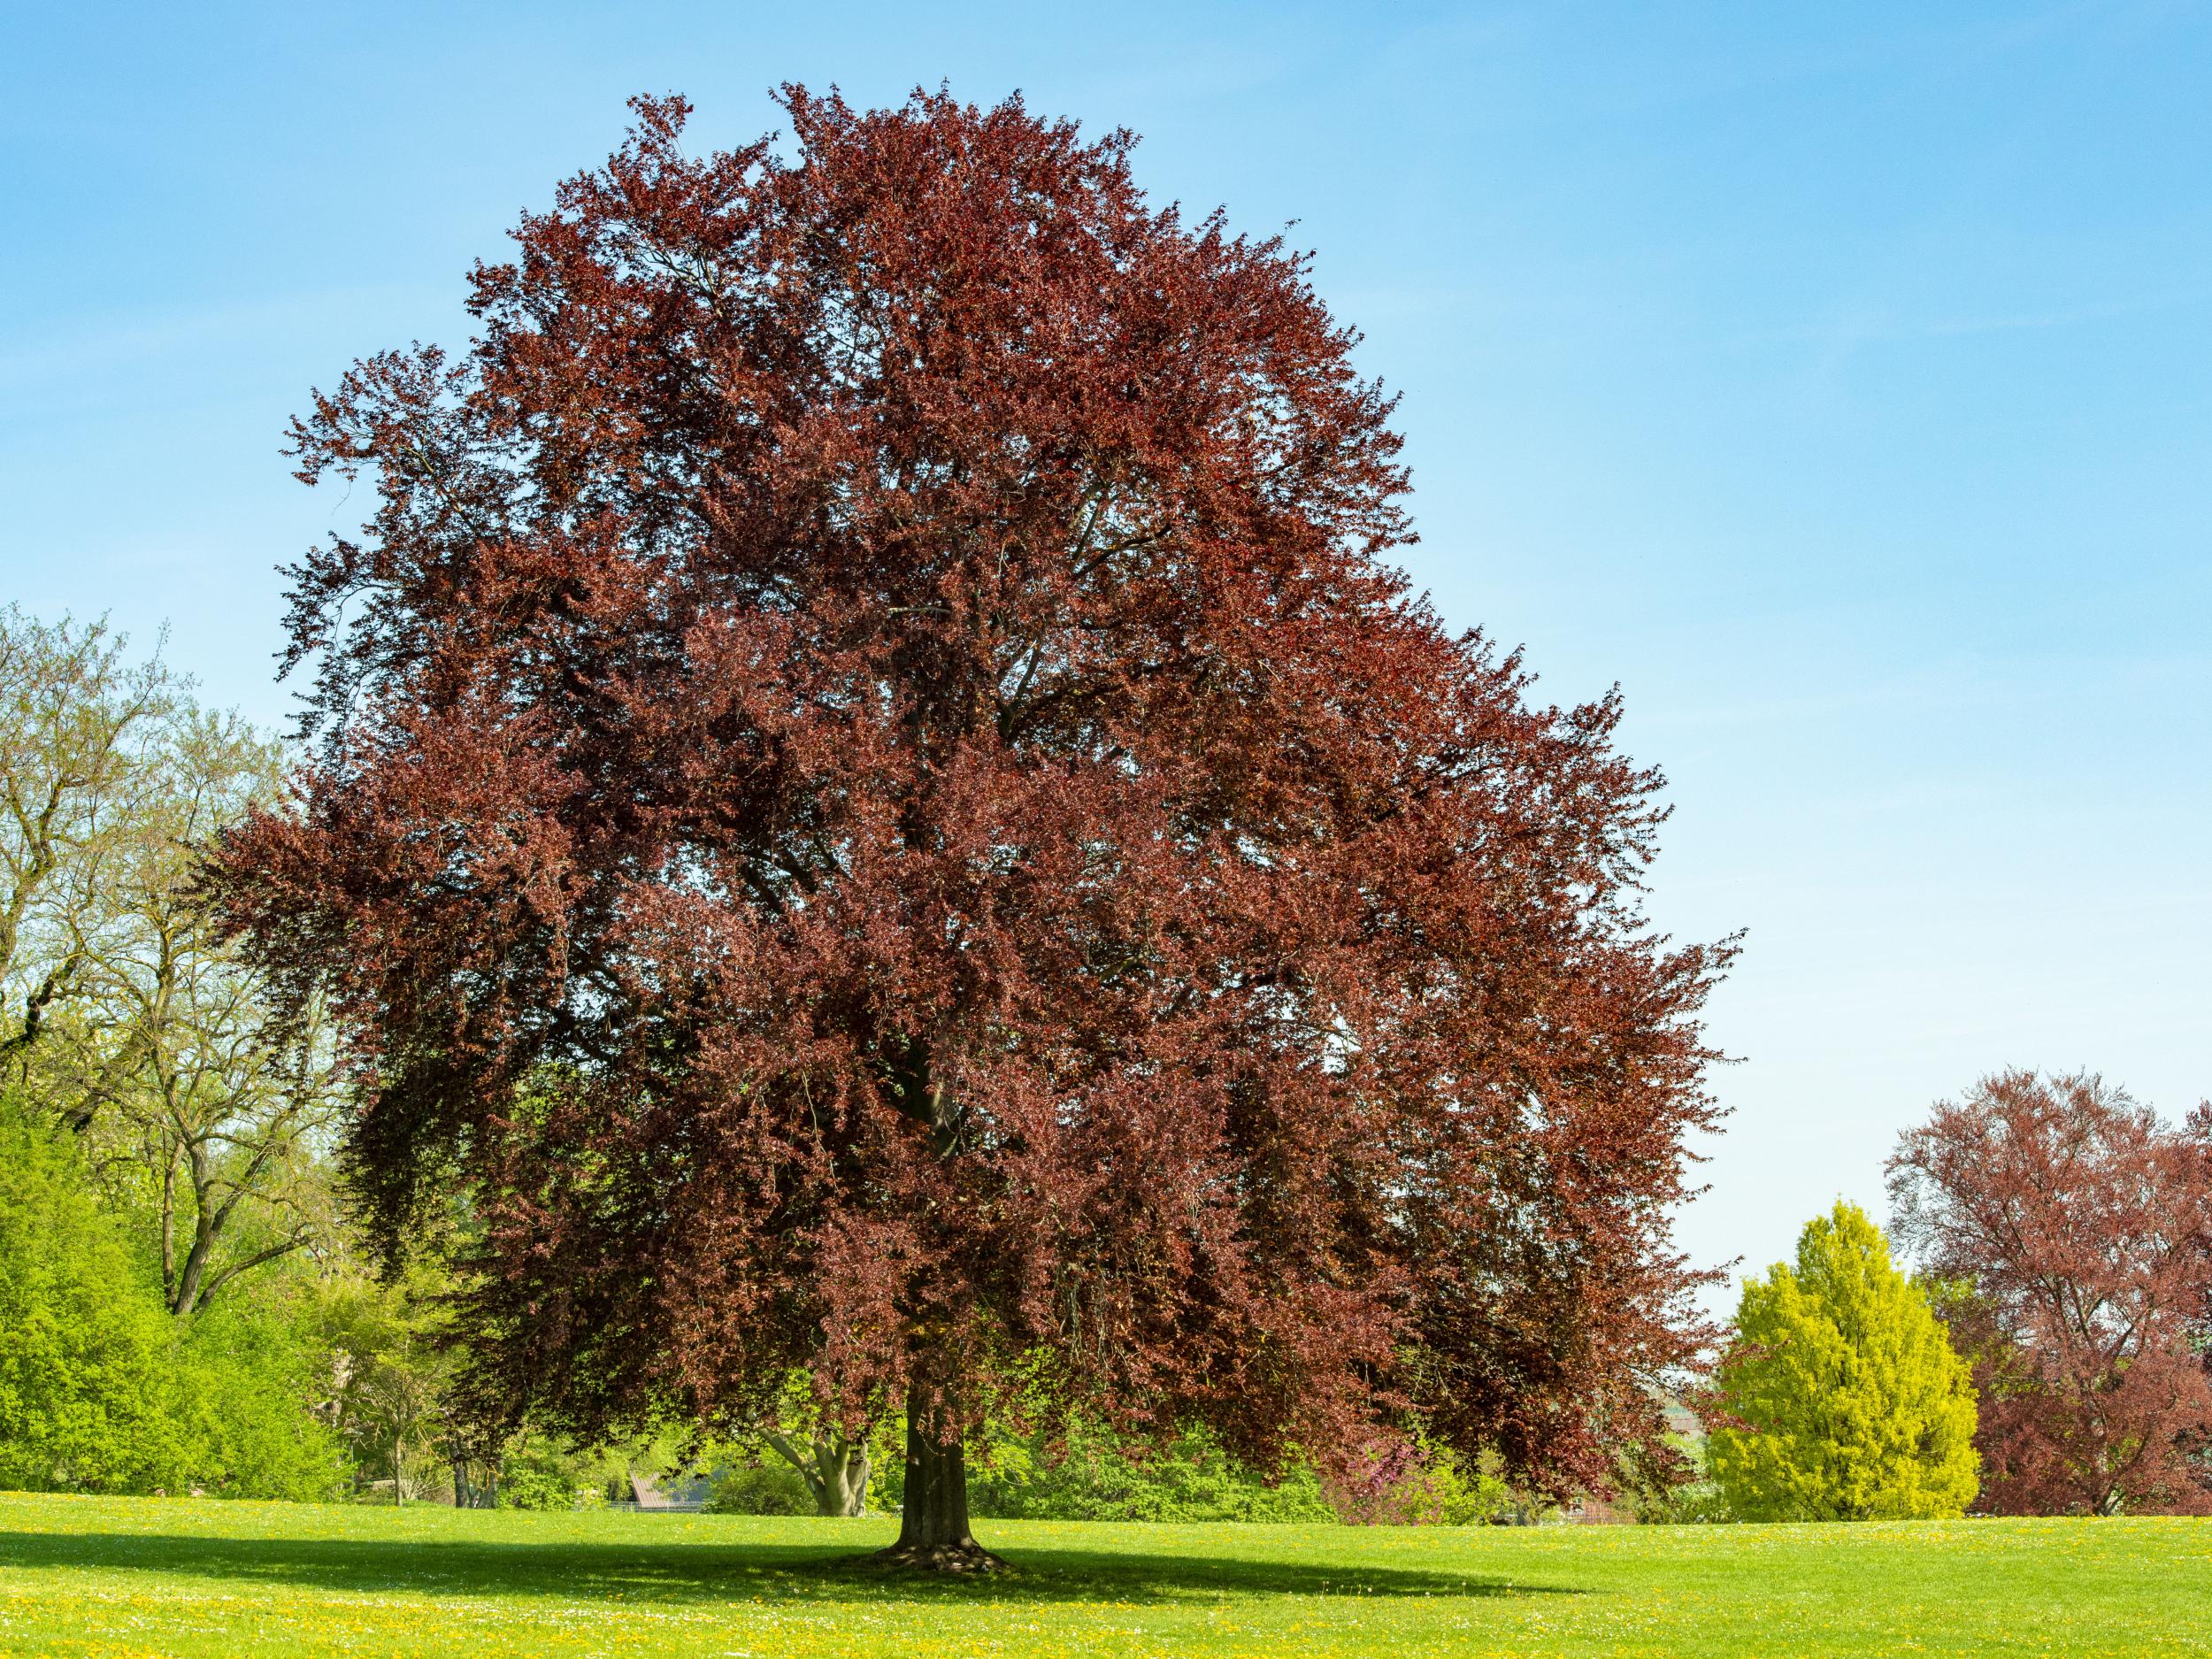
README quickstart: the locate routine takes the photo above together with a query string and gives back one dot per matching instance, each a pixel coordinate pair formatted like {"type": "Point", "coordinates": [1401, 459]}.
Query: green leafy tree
{"type": "Point", "coordinates": [388, 1367]}
{"type": "Point", "coordinates": [244, 1376]}
{"type": "Point", "coordinates": [100, 1389]}
{"type": "Point", "coordinates": [84, 1346]}
{"type": "Point", "coordinates": [1854, 1403]}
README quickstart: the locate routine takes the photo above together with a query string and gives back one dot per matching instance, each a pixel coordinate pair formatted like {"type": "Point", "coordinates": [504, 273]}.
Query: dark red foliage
{"type": "Point", "coordinates": [2077, 1231]}
{"type": "Point", "coordinates": [881, 810]}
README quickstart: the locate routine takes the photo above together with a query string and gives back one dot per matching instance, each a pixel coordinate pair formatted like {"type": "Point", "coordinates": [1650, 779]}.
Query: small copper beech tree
{"type": "Point", "coordinates": [2074, 1230]}
{"type": "Point", "coordinates": [879, 806]}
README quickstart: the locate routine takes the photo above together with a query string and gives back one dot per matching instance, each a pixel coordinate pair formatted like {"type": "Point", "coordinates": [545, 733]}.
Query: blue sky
{"type": "Point", "coordinates": [1837, 379]}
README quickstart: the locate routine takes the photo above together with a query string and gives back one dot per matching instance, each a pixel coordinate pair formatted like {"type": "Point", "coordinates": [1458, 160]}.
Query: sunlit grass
{"type": "Point", "coordinates": [82, 1576]}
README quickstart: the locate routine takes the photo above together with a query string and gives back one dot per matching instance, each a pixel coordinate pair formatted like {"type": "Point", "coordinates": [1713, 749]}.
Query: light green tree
{"type": "Point", "coordinates": [100, 1389]}
{"type": "Point", "coordinates": [85, 1351]}
{"type": "Point", "coordinates": [1855, 1405]}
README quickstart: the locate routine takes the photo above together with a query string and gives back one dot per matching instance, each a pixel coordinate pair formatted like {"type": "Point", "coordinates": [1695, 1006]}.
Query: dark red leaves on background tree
{"type": "Point", "coordinates": [2076, 1232]}
{"type": "Point", "coordinates": [881, 810]}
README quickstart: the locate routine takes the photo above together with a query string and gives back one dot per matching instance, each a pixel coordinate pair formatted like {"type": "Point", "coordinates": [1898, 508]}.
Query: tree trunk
{"type": "Point", "coordinates": [186, 1294]}
{"type": "Point", "coordinates": [933, 1534]}
{"type": "Point", "coordinates": [836, 1470]}
{"type": "Point", "coordinates": [840, 1483]}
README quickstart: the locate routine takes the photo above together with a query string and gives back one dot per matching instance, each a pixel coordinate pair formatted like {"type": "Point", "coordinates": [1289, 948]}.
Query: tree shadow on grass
{"type": "Point", "coordinates": [683, 1571]}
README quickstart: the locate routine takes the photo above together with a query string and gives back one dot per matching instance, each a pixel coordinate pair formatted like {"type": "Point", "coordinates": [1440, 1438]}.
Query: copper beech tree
{"type": "Point", "coordinates": [2074, 1231]}
{"type": "Point", "coordinates": [880, 807]}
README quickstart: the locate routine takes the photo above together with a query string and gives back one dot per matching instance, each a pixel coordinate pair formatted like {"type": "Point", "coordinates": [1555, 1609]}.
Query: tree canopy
{"type": "Point", "coordinates": [2077, 1230]}
{"type": "Point", "coordinates": [1853, 1402]}
{"type": "Point", "coordinates": [83, 1377]}
{"type": "Point", "coordinates": [880, 807]}
{"type": "Point", "coordinates": [101, 1390]}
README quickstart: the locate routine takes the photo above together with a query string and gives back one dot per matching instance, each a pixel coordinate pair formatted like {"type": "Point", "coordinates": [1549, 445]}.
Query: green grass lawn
{"type": "Point", "coordinates": [118, 1576]}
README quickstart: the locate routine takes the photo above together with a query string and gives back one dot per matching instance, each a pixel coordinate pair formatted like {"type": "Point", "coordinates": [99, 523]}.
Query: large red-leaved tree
{"type": "Point", "coordinates": [2074, 1230]}
{"type": "Point", "coordinates": [881, 810]}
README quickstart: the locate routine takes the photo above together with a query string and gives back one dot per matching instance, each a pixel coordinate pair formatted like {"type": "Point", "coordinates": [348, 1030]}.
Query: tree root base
{"type": "Point", "coordinates": [966, 1559]}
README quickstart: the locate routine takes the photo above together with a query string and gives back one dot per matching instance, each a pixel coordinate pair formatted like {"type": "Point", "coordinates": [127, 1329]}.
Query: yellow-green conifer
{"type": "Point", "coordinates": [1856, 1407]}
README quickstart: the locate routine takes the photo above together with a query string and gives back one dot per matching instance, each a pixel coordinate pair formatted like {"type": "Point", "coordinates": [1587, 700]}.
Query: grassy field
{"type": "Point", "coordinates": [152, 1576]}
